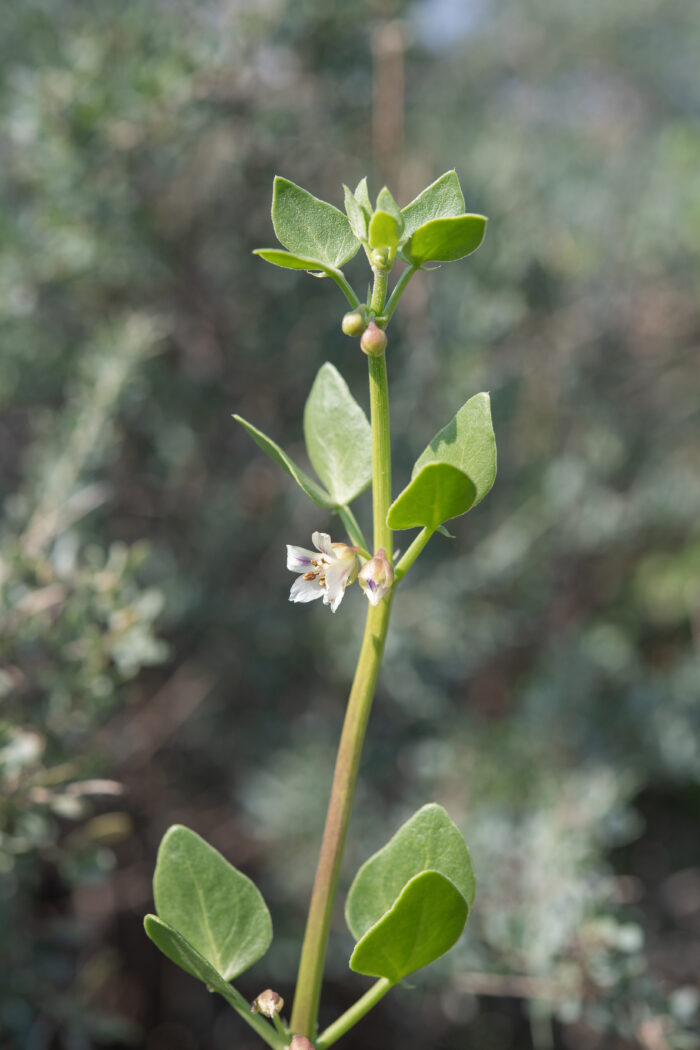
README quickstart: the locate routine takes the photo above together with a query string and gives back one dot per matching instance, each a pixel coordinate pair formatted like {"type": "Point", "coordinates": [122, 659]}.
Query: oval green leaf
{"type": "Point", "coordinates": [290, 262]}
{"type": "Point", "coordinates": [384, 230]}
{"type": "Point", "coordinates": [442, 199]}
{"type": "Point", "coordinates": [428, 841]}
{"type": "Point", "coordinates": [357, 216]}
{"type": "Point", "coordinates": [314, 491]}
{"type": "Point", "coordinates": [216, 908]}
{"type": "Point", "coordinates": [174, 946]}
{"type": "Point", "coordinates": [311, 228]}
{"type": "Point", "coordinates": [437, 493]}
{"type": "Point", "coordinates": [468, 443]}
{"type": "Point", "coordinates": [338, 436]}
{"type": "Point", "coordinates": [424, 923]}
{"type": "Point", "coordinates": [445, 240]}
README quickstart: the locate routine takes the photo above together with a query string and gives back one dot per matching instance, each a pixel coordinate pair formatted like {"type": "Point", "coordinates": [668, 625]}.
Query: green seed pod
{"type": "Point", "coordinates": [373, 342]}
{"type": "Point", "coordinates": [379, 258]}
{"type": "Point", "coordinates": [354, 323]}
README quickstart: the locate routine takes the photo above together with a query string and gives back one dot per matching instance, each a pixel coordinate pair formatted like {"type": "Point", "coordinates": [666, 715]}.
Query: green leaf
{"type": "Point", "coordinates": [311, 228]}
{"type": "Point", "coordinates": [357, 216]}
{"type": "Point", "coordinates": [428, 841]}
{"type": "Point", "coordinates": [468, 443]}
{"type": "Point", "coordinates": [445, 240]}
{"type": "Point", "coordinates": [310, 487]}
{"type": "Point", "coordinates": [362, 196]}
{"type": "Point", "coordinates": [384, 230]}
{"type": "Point", "coordinates": [174, 946]}
{"type": "Point", "coordinates": [442, 199]}
{"type": "Point", "coordinates": [437, 493]}
{"type": "Point", "coordinates": [216, 908]}
{"type": "Point", "coordinates": [290, 262]}
{"type": "Point", "coordinates": [386, 203]}
{"type": "Point", "coordinates": [424, 923]}
{"type": "Point", "coordinates": [338, 436]}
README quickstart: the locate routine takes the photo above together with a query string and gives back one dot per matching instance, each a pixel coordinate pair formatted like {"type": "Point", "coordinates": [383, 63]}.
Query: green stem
{"type": "Point", "coordinates": [356, 1012]}
{"type": "Point", "coordinates": [279, 1025]}
{"type": "Point", "coordinates": [355, 534]}
{"type": "Point", "coordinates": [398, 291]}
{"type": "Point", "coordinates": [313, 952]}
{"type": "Point", "coordinates": [344, 285]}
{"type": "Point", "coordinates": [381, 279]}
{"type": "Point", "coordinates": [264, 1030]}
{"type": "Point", "coordinates": [381, 453]}
{"type": "Point", "coordinates": [412, 553]}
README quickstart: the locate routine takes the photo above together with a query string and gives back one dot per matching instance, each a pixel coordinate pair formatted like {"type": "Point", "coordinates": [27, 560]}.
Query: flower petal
{"type": "Point", "coordinates": [322, 541]}
{"type": "Point", "coordinates": [336, 581]}
{"type": "Point", "coordinates": [299, 559]}
{"type": "Point", "coordinates": [304, 590]}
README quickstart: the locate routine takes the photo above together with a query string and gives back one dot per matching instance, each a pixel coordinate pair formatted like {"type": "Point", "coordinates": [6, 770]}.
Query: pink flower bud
{"type": "Point", "coordinates": [373, 341]}
{"type": "Point", "coordinates": [300, 1042]}
{"type": "Point", "coordinates": [376, 577]}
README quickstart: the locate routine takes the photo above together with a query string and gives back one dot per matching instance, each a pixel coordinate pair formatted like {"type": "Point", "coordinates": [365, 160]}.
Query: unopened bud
{"type": "Point", "coordinates": [376, 577]}
{"type": "Point", "coordinates": [380, 258]}
{"type": "Point", "coordinates": [354, 323]}
{"type": "Point", "coordinates": [373, 340]}
{"type": "Point", "coordinates": [300, 1042]}
{"type": "Point", "coordinates": [268, 1003]}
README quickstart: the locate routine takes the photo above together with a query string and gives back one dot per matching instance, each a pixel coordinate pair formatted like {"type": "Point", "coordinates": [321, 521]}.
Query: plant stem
{"type": "Point", "coordinates": [355, 534]}
{"type": "Point", "coordinates": [313, 952]}
{"type": "Point", "coordinates": [381, 453]}
{"type": "Point", "coordinates": [308, 990]}
{"type": "Point", "coordinates": [356, 1012]}
{"type": "Point", "coordinates": [398, 291]}
{"type": "Point", "coordinates": [412, 553]}
{"type": "Point", "coordinates": [376, 303]}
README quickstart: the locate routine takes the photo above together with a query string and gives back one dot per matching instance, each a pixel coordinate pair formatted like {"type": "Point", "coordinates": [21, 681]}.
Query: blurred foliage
{"type": "Point", "coordinates": [542, 671]}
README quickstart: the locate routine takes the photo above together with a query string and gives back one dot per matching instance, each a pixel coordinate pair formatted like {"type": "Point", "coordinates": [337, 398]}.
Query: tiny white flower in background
{"type": "Point", "coordinates": [325, 572]}
{"type": "Point", "coordinates": [376, 577]}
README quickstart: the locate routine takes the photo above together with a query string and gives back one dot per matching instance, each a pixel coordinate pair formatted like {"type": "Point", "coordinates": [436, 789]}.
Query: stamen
{"type": "Point", "coordinates": [310, 575]}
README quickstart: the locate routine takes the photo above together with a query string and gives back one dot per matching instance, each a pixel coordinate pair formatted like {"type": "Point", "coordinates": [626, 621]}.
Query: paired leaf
{"type": "Point", "coordinates": [179, 951]}
{"type": "Point", "coordinates": [290, 262]}
{"type": "Point", "coordinates": [442, 199]}
{"type": "Point", "coordinates": [310, 487]}
{"type": "Point", "coordinates": [362, 196]}
{"type": "Point", "coordinates": [338, 436]}
{"type": "Point", "coordinates": [384, 231]}
{"type": "Point", "coordinates": [357, 216]}
{"type": "Point", "coordinates": [311, 228]}
{"type": "Point", "coordinates": [453, 473]}
{"type": "Point", "coordinates": [424, 923]}
{"type": "Point", "coordinates": [437, 493]}
{"type": "Point", "coordinates": [445, 240]}
{"type": "Point", "coordinates": [468, 443]}
{"type": "Point", "coordinates": [428, 841]}
{"type": "Point", "coordinates": [212, 905]}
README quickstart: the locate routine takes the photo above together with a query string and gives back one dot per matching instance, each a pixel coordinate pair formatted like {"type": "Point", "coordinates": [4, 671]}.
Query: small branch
{"type": "Point", "coordinates": [356, 1012]}
{"type": "Point", "coordinates": [412, 553]}
{"type": "Point", "coordinates": [398, 291]}
{"type": "Point", "coordinates": [266, 1032]}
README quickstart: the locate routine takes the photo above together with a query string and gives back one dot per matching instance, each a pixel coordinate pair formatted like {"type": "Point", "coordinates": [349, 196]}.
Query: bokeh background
{"type": "Point", "coordinates": [542, 676]}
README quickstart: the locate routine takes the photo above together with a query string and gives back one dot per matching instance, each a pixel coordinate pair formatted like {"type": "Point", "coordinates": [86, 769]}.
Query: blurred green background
{"type": "Point", "coordinates": [542, 676]}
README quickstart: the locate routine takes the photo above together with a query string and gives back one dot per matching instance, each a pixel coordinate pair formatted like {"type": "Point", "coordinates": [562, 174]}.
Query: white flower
{"type": "Point", "coordinates": [376, 577]}
{"type": "Point", "coordinates": [325, 572]}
